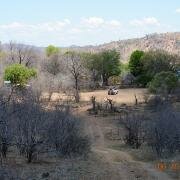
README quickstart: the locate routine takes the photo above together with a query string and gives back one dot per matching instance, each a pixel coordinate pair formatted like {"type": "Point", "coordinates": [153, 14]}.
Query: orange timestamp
{"type": "Point", "coordinates": [162, 166]}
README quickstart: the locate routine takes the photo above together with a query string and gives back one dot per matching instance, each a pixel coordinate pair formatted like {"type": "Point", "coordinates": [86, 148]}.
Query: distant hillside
{"type": "Point", "coordinates": [168, 41]}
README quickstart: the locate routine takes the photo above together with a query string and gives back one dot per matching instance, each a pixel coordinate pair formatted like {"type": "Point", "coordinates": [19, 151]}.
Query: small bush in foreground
{"type": "Point", "coordinates": [164, 131]}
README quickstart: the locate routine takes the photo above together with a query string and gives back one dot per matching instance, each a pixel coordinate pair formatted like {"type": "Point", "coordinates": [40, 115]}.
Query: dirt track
{"type": "Point", "coordinates": [122, 164]}
{"type": "Point", "coordinates": [126, 96]}
{"type": "Point", "coordinates": [120, 161]}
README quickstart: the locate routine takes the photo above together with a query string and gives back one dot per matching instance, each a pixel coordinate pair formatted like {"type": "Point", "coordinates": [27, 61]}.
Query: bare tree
{"type": "Point", "coordinates": [93, 100]}
{"type": "Point", "coordinates": [12, 51]}
{"type": "Point", "coordinates": [22, 54]}
{"type": "Point", "coordinates": [75, 67]}
{"type": "Point", "coordinates": [6, 113]}
{"type": "Point", "coordinates": [55, 73]}
{"type": "Point", "coordinates": [134, 125]}
{"type": "Point", "coordinates": [53, 65]}
{"type": "Point", "coordinates": [65, 134]}
{"type": "Point", "coordinates": [164, 131]}
{"type": "Point", "coordinates": [29, 126]}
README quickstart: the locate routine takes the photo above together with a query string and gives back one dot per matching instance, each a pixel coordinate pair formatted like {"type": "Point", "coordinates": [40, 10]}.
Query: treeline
{"type": "Point", "coordinates": [157, 70]}
{"type": "Point", "coordinates": [92, 70]}
{"type": "Point", "coordinates": [56, 70]}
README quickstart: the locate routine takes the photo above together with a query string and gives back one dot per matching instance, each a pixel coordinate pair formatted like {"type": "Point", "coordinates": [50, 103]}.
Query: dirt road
{"type": "Point", "coordinates": [124, 96]}
{"type": "Point", "coordinates": [121, 162]}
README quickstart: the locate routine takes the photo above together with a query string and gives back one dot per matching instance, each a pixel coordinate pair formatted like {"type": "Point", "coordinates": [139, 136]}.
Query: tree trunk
{"type": "Point", "coordinates": [4, 149]}
{"type": "Point", "coordinates": [29, 156]}
{"type": "Point", "coordinates": [105, 80]}
{"type": "Point", "coordinates": [77, 97]}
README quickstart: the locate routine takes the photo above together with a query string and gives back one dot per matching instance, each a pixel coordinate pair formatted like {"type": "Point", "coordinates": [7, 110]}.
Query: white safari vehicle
{"type": "Point", "coordinates": [112, 91]}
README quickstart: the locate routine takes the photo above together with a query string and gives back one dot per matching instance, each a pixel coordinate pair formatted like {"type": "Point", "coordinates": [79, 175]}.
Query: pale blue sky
{"type": "Point", "coordinates": [83, 22]}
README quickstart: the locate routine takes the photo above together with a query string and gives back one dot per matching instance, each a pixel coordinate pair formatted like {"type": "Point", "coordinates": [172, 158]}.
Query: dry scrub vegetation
{"type": "Point", "coordinates": [57, 120]}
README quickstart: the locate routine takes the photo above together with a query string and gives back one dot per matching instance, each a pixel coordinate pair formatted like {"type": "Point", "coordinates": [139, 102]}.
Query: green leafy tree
{"type": "Point", "coordinates": [125, 68]}
{"type": "Point", "coordinates": [90, 62]}
{"type": "Point", "coordinates": [19, 74]}
{"type": "Point", "coordinates": [155, 62]}
{"type": "Point", "coordinates": [51, 50]}
{"type": "Point", "coordinates": [163, 82]}
{"type": "Point", "coordinates": [110, 65]}
{"type": "Point", "coordinates": [135, 63]}
{"type": "Point", "coordinates": [105, 64]}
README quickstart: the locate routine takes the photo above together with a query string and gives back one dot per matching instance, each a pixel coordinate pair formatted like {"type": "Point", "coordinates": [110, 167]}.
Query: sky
{"type": "Point", "coordinates": [85, 22]}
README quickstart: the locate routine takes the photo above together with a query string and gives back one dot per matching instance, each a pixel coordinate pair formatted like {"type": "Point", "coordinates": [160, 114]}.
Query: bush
{"type": "Point", "coordinates": [163, 131]}
{"type": "Point", "coordinates": [155, 102]}
{"type": "Point", "coordinates": [65, 134]}
{"type": "Point", "coordinates": [113, 80]}
{"type": "Point", "coordinates": [134, 125]}
{"type": "Point", "coordinates": [163, 82]}
{"type": "Point", "coordinates": [32, 130]}
{"type": "Point", "coordinates": [19, 74]}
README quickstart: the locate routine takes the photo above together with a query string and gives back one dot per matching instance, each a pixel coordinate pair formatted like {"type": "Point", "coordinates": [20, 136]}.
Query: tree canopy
{"type": "Point", "coordinates": [52, 50]}
{"type": "Point", "coordinates": [163, 82]}
{"type": "Point", "coordinates": [105, 63]}
{"type": "Point", "coordinates": [156, 61]}
{"type": "Point", "coordinates": [19, 74]}
{"type": "Point", "coordinates": [135, 63]}
{"type": "Point", "coordinates": [145, 65]}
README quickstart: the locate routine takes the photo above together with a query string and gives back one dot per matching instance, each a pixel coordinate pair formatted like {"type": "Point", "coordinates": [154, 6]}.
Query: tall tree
{"type": "Point", "coordinates": [104, 65]}
{"type": "Point", "coordinates": [110, 65]}
{"type": "Point", "coordinates": [74, 65]}
{"type": "Point", "coordinates": [155, 62]}
{"type": "Point", "coordinates": [135, 63]}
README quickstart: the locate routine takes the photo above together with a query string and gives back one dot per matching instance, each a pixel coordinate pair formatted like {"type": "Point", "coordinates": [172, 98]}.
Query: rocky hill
{"type": "Point", "coordinates": [168, 41]}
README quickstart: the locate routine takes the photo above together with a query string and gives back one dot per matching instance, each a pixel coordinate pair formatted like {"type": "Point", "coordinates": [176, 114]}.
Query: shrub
{"type": "Point", "coordinates": [163, 82]}
{"type": "Point", "coordinates": [19, 74]}
{"type": "Point", "coordinates": [134, 125]}
{"type": "Point", "coordinates": [65, 134]}
{"type": "Point", "coordinates": [163, 131]}
{"type": "Point", "coordinates": [32, 130]}
{"type": "Point", "coordinates": [113, 80]}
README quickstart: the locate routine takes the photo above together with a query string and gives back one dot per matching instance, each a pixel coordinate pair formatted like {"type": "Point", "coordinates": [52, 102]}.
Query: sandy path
{"type": "Point", "coordinates": [120, 161]}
